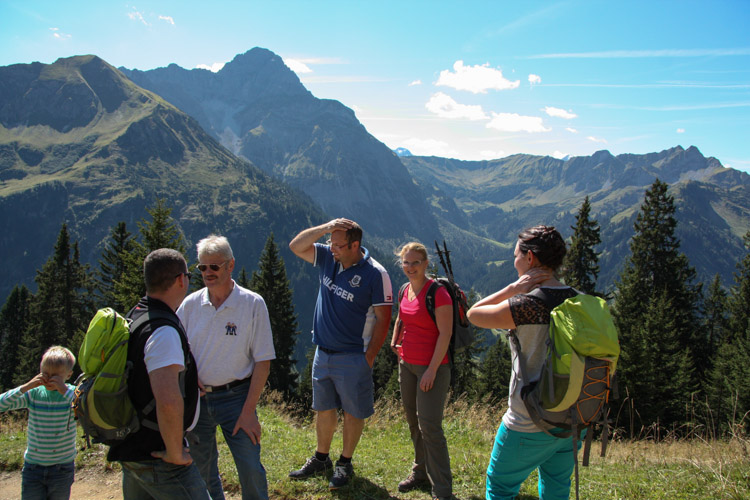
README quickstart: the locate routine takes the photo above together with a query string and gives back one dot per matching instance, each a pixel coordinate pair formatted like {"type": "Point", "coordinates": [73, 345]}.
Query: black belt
{"type": "Point", "coordinates": [329, 351]}
{"type": "Point", "coordinates": [225, 387]}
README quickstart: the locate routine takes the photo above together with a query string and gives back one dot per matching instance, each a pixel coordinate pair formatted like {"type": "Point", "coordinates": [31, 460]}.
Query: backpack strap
{"type": "Point", "coordinates": [402, 290]}
{"type": "Point", "coordinates": [587, 445]}
{"type": "Point", "coordinates": [574, 419]}
{"type": "Point", "coordinates": [429, 299]}
{"type": "Point", "coordinates": [167, 320]}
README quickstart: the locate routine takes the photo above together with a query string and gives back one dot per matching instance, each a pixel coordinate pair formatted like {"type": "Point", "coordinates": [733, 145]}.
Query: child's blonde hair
{"type": "Point", "coordinates": [58, 356]}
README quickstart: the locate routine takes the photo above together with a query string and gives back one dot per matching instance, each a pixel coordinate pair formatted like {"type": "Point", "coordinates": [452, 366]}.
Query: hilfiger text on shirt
{"type": "Point", "coordinates": [337, 290]}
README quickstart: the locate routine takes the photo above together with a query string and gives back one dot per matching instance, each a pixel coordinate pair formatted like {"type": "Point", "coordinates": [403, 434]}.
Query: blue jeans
{"type": "Point", "coordinates": [157, 479]}
{"type": "Point", "coordinates": [516, 454]}
{"type": "Point", "coordinates": [47, 482]}
{"type": "Point", "coordinates": [223, 409]}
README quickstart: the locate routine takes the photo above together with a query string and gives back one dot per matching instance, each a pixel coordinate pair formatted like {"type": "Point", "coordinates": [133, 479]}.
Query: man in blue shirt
{"type": "Point", "coordinates": [352, 315]}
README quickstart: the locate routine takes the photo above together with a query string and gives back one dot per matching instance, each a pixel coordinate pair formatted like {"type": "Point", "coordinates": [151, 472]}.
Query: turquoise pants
{"type": "Point", "coordinates": [516, 454]}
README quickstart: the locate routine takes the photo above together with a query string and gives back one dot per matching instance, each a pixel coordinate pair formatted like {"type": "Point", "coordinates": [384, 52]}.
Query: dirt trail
{"type": "Point", "coordinates": [89, 485]}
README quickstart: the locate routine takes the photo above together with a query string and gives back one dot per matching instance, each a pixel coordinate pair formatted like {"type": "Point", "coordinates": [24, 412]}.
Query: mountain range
{"type": "Point", "coordinates": [82, 144]}
{"type": "Point", "coordinates": [258, 109]}
{"type": "Point", "coordinates": [248, 150]}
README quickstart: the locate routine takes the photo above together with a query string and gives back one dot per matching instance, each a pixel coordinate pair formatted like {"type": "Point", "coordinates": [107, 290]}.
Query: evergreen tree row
{"type": "Point", "coordinates": [685, 362]}
{"type": "Point", "coordinates": [68, 294]}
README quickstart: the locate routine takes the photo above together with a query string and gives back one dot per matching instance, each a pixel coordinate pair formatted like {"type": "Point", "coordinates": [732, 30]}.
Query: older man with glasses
{"type": "Point", "coordinates": [230, 337]}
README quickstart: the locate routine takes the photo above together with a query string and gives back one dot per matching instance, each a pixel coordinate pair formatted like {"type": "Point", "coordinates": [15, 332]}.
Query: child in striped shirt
{"type": "Point", "coordinates": [49, 461]}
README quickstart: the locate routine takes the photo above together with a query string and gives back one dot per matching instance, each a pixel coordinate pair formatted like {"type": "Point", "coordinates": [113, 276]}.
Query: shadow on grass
{"type": "Point", "coordinates": [362, 488]}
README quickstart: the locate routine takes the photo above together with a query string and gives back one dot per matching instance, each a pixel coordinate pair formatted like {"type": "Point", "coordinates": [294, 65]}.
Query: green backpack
{"type": "Point", "coordinates": [577, 377]}
{"type": "Point", "coordinates": [101, 403]}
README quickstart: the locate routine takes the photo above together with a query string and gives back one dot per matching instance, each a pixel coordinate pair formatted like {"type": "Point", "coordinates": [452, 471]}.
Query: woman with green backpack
{"type": "Point", "coordinates": [520, 446]}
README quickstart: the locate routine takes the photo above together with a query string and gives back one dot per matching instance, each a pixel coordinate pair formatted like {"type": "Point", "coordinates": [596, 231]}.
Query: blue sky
{"type": "Point", "coordinates": [469, 80]}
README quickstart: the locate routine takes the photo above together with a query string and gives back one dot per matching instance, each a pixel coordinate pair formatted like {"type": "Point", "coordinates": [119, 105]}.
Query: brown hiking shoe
{"type": "Point", "coordinates": [412, 482]}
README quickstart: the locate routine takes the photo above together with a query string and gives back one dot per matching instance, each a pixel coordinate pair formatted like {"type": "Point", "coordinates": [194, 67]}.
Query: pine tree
{"type": "Point", "coordinates": [662, 385]}
{"type": "Point", "coordinates": [242, 279]}
{"type": "Point", "coordinates": [495, 372]}
{"type": "Point", "coordinates": [385, 373]}
{"type": "Point", "coordinates": [715, 323]}
{"type": "Point", "coordinates": [272, 284]}
{"type": "Point", "coordinates": [739, 307]}
{"type": "Point", "coordinates": [304, 390]}
{"type": "Point", "coordinates": [465, 364]}
{"type": "Point", "coordinates": [464, 371]}
{"type": "Point", "coordinates": [60, 310]}
{"type": "Point", "coordinates": [14, 319]}
{"type": "Point", "coordinates": [112, 265]}
{"type": "Point", "coordinates": [160, 232]}
{"type": "Point", "coordinates": [581, 265]}
{"type": "Point", "coordinates": [656, 280]}
{"type": "Point", "coordinates": [730, 378]}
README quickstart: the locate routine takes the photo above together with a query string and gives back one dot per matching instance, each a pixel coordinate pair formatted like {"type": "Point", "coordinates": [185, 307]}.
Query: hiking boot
{"type": "Point", "coordinates": [312, 467]}
{"type": "Point", "coordinates": [412, 482]}
{"type": "Point", "coordinates": [341, 475]}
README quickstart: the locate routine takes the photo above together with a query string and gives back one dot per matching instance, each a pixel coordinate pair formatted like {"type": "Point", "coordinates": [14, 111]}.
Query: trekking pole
{"type": "Point", "coordinates": [448, 260]}
{"type": "Point", "coordinates": [440, 254]}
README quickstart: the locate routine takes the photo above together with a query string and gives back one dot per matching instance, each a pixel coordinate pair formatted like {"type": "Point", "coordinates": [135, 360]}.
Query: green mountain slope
{"type": "Point", "coordinates": [82, 144]}
{"type": "Point", "coordinates": [495, 199]}
{"type": "Point", "coordinates": [257, 107]}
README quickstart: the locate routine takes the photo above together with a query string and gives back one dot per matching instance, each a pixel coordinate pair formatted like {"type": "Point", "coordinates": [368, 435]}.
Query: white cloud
{"type": "Point", "coordinates": [297, 66]}
{"type": "Point", "coordinates": [215, 67]}
{"type": "Point", "coordinates": [137, 16]}
{"type": "Point", "coordinates": [475, 79]}
{"type": "Point", "coordinates": [444, 106]}
{"type": "Point", "coordinates": [596, 139]}
{"type": "Point", "coordinates": [429, 147]}
{"type": "Point", "coordinates": [559, 113]}
{"type": "Point", "coordinates": [559, 155]}
{"type": "Point", "coordinates": [534, 79]}
{"type": "Point", "coordinates": [303, 65]}
{"type": "Point", "coordinates": [512, 122]}
{"type": "Point", "coordinates": [168, 19]}
{"type": "Point", "coordinates": [571, 130]}
{"type": "Point", "coordinates": [680, 130]}
{"type": "Point", "coordinates": [59, 34]}
{"type": "Point", "coordinates": [492, 155]}
{"type": "Point", "coordinates": [415, 82]}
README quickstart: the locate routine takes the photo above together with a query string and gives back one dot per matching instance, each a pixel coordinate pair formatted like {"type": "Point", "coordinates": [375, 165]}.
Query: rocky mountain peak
{"type": "Point", "coordinates": [69, 93]}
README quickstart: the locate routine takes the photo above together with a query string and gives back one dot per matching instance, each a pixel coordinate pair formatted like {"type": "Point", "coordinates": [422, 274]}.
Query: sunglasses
{"type": "Point", "coordinates": [186, 273]}
{"type": "Point", "coordinates": [214, 267]}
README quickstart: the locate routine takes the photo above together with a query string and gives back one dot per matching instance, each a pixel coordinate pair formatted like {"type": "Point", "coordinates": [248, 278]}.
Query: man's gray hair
{"type": "Point", "coordinates": [215, 245]}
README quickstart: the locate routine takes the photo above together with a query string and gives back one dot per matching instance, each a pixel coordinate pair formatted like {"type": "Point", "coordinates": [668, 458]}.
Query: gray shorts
{"type": "Point", "coordinates": [342, 380]}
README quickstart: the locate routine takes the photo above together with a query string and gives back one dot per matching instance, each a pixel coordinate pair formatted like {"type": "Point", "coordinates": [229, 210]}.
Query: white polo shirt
{"type": "Point", "coordinates": [228, 341]}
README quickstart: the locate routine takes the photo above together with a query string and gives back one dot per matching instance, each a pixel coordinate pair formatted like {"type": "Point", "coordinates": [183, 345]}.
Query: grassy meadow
{"type": "Point", "coordinates": [669, 469]}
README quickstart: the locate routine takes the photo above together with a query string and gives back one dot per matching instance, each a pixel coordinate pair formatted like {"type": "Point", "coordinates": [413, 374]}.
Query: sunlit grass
{"type": "Point", "coordinates": [670, 469]}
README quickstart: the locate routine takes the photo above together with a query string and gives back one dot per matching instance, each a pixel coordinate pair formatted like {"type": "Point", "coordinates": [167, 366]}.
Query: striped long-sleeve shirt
{"type": "Point", "coordinates": [51, 433]}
